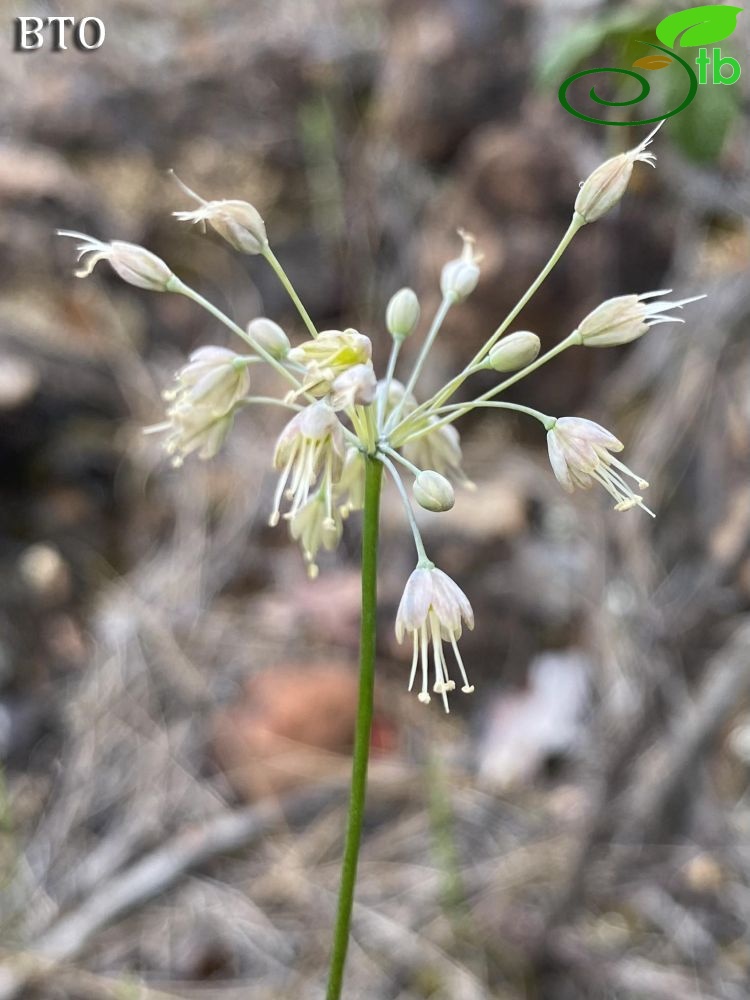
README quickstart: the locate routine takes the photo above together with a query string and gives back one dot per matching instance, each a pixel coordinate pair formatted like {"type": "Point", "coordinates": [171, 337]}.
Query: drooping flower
{"type": "Point", "coordinates": [311, 446]}
{"type": "Point", "coordinates": [317, 524]}
{"type": "Point", "coordinates": [329, 355]}
{"type": "Point", "coordinates": [215, 378]}
{"type": "Point", "coordinates": [132, 263]}
{"type": "Point", "coordinates": [627, 317]}
{"type": "Point", "coordinates": [193, 429]}
{"type": "Point", "coordinates": [209, 389]}
{"type": "Point", "coordinates": [432, 610]}
{"type": "Point", "coordinates": [350, 489]}
{"type": "Point", "coordinates": [579, 452]}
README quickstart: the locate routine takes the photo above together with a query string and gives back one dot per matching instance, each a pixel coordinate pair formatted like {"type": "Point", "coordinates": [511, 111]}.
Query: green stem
{"type": "Point", "coordinates": [544, 418]}
{"type": "Point", "coordinates": [386, 386]}
{"type": "Point", "coordinates": [399, 439]}
{"type": "Point", "coordinates": [445, 393]}
{"type": "Point", "coordinates": [434, 330]}
{"type": "Point", "coordinates": [373, 481]}
{"type": "Point", "coordinates": [273, 260]}
{"type": "Point", "coordinates": [181, 288]}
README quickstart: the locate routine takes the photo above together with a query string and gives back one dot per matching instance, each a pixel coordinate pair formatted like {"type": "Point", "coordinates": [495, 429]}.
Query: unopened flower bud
{"type": "Point", "coordinates": [270, 337]}
{"type": "Point", "coordinates": [607, 184]}
{"type": "Point", "coordinates": [238, 222]}
{"type": "Point", "coordinates": [433, 491]}
{"type": "Point", "coordinates": [132, 263]}
{"type": "Point", "coordinates": [514, 351]}
{"type": "Point", "coordinates": [402, 313]}
{"type": "Point", "coordinates": [459, 277]}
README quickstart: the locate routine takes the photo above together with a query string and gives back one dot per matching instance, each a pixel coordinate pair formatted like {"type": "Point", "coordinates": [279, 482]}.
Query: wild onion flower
{"type": "Point", "coordinates": [345, 418]}
{"type": "Point", "coordinates": [579, 452]}
{"type": "Point", "coordinates": [459, 277]}
{"type": "Point", "coordinates": [132, 263]}
{"type": "Point", "coordinates": [310, 447]}
{"type": "Point", "coordinates": [316, 524]}
{"type": "Point", "coordinates": [603, 188]}
{"type": "Point", "coordinates": [432, 611]}
{"type": "Point", "coordinates": [627, 317]}
{"type": "Point", "coordinates": [193, 429]}
{"type": "Point", "coordinates": [237, 222]}
{"type": "Point", "coordinates": [215, 379]}
{"type": "Point", "coordinates": [348, 428]}
{"type": "Point", "coordinates": [350, 489]}
{"type": "Point", "coordinates": [332, 353]}
{"type": "Point", "coordinates": [354, 387]}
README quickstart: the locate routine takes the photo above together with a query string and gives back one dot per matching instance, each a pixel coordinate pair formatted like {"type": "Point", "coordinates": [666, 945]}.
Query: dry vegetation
{"type": "Point", "coordinates": [581, 831]}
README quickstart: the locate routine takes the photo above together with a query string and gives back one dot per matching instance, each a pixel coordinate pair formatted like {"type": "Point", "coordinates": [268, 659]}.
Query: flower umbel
{"type": "Point", "coordinates": [579, 452]}
{"type": "Point", "coordinates": [432, 611]}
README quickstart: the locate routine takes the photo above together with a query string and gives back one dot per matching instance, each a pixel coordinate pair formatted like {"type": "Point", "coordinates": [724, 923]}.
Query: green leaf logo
{"type": "Point", "coordinates": [698, 26]}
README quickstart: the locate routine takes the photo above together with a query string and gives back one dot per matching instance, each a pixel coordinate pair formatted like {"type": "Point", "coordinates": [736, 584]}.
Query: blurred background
{"type": "Point", "coordinates": [177, 699]}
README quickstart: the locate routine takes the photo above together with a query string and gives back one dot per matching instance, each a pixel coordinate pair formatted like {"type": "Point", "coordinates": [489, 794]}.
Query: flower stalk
{"type": "Point", "coordinates": [370, 526]}
{"type": "Point", "coordinates": [346, 427]}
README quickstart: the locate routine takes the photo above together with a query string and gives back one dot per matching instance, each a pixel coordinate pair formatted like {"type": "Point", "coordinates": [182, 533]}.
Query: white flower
{"type": "Point", "coordinates": [238, 222]}
{"type": "Point", "coordinates": [317, 524]}
{"type": "Point", "coordinates": [193, 429]}
{"type": "Point", "coordinates": [607, 184]}
{"type": "Point", "coordinates": [310, 446]}
{"type": "Point", "coordinates": [132, 263]}
{"type": "Point", "coordinates": [459, 277]}
{"type": "Point", "coordinates": [354, 387]}
{"type": "Point", "coordinates": [215, 379]}
{"type": "Point", "coordinates": [627, 317]}
{"type": "Point", "coordinates": [350, 489]}
{"type": "Point", "coordinates": [329, 355]}
{"type": "Point", "coordinates": [432, 610]}
{"type": "Point", "coordinates": [438, 449]}
{"type": "Point", "coordinates": [209, 388]}
{"type": "Point", "coordinates": [579, 452]}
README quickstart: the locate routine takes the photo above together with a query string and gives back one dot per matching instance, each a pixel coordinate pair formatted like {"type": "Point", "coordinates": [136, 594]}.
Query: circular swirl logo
{"type": "Point", "coordinates": [695, 27]}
